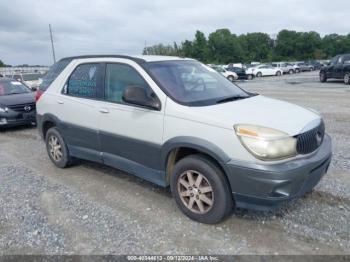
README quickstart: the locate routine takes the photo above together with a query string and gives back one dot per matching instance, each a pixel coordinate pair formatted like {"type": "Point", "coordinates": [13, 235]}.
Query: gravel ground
{"type": "Point", "coordinates": [92, 209]}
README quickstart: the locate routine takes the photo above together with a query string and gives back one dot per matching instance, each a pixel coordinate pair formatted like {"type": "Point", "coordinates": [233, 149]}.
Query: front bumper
{"type": "Point", "coordinates": [263, 187]}
{"type": "Point", "coordinates": [15, 119]}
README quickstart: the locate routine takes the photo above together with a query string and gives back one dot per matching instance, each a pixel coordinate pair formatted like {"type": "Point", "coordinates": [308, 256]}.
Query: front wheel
{"type": "Point", "coordinates": [297, 70]}
{"type": "Point", "coordinates": [250, 77]}
{"type": "Point", "coordinates": [259, 74]}
{"type": "Point", "coordinates": [201, 190]}
{"type": "Point", "coordinates": [231, 78]}
{"type": "Point", "coordinates": [291, 71]}
{"type": "Point", "coordinates": [278, 73]}
{"type": "Point", "coordinates": [347, 78]}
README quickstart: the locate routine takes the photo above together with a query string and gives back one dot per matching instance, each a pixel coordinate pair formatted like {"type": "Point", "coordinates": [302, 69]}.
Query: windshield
{"type": "Point", "coordinates": [12, 87]}
{"type": "Point", "coordinates": [193, 83]}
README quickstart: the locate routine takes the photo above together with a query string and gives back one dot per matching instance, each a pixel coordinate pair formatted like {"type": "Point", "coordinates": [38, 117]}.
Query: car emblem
{"type": "Point", "coordinates": [27, 108]}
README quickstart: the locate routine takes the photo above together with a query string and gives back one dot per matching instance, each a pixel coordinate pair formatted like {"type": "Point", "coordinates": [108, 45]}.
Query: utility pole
{"type": "Point", "coordinates": [52, 46]}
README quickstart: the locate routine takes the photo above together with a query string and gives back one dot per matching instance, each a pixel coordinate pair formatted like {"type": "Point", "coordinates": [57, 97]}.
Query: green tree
{"type": "Point", "coordinates": [224, 47]}
{"type": "Point", "coordinates": [161, 49]}
{"type": "Point", "coordinates": [256, 47]}
{"type": "Point", "coordinates": [200, 48]}
{"type": "Point", "coordinates": [1, 64]}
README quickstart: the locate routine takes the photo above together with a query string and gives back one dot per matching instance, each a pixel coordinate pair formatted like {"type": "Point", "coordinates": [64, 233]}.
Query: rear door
{"type": "Point", "coordinates": [77, 108]}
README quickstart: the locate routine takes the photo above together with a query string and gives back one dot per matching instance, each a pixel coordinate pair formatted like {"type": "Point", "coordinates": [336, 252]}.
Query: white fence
{"type": "Point", "coordinates": [19, 70]}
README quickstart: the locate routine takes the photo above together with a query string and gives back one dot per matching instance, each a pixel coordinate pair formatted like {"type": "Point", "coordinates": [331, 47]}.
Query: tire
{"type": "Point", "coordinates": [258, 74]}
{"type": "Point", "coordinates": [347, 78]}
{"type": "Point", "coordinates": [250, 77]}
{"type": "Point", "coordinates": [291, 71]}
{"type": "Point", "coordinates": [212, 178]}
{"type": "Point", "coordinates": [231, 78]}
{"type": "Point", "coordinates": [59, 155]}
{"type": "Point", "coordinates": [297, 71]}
{"type": "Point", "coordinates": [278, 73]}
{"type": "Point", "coordinates": [323, 77]}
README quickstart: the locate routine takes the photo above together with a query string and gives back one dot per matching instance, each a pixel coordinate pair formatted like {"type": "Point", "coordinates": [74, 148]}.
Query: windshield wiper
{"type": "Point", "coordinates": [231, 98]}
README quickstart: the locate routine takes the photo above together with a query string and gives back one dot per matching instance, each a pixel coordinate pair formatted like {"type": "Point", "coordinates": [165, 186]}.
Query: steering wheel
{"type": "Point", "coordinates": [196, 83]}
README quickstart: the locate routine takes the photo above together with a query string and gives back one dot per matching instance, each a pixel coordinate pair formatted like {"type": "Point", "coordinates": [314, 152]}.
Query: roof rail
{"type": "Point", "coordinates": [135, 59]}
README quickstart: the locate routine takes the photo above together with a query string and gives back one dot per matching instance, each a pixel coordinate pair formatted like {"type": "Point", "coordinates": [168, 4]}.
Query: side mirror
{"type": "Point", "coordinates": [137, 95]}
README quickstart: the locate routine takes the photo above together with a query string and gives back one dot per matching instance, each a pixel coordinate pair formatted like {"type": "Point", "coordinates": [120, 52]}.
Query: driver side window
{"type": "Point", "coordinates": [118, 78]}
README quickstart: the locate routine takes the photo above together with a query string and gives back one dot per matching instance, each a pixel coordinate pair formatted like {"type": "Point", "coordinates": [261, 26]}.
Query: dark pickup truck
{"type": "Point", "coordinates": [338, 68]}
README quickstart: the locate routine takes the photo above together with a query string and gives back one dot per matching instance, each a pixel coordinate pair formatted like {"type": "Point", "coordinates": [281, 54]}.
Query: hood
{"type": "Point", "coordinates": [17, 99]}
{"type": "Point", "coordinates": [258, 110]}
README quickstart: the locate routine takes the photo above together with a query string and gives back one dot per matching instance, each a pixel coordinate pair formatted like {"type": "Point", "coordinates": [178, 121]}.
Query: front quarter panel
{"type": "Point", "coordinates": [181, 121]}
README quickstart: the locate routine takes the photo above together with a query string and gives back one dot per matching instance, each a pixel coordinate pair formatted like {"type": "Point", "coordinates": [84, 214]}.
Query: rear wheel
{"type": "Point", "coordinates": [250, 77]}
{"type": "Point", "coordinates": [347, 78]}
{"type": "Point", "coordinates": [201, 190]}
{"type": "Point", "coordinates": [259, 74]}
{"type": "Point", "coordinates": [278, 73]}
{"type": "Point", "coordinates": [57, 148]}
{"type": "Point", "coordinates": [297, 70]}
{"type": "Point", "coordinates": [323, 77]}
{"type": "Point", "coordinates": [291, 71]}
{"type": "Point", "coordinates": [231, 78]}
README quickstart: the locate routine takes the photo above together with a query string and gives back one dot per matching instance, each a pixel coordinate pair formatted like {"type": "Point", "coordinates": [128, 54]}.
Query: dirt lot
{"type": "Point", "coordinates": [92, 209]}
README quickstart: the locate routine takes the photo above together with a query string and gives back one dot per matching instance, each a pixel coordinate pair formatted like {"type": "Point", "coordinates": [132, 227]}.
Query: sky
{"type": "Point", "coordinates": [123, 26]}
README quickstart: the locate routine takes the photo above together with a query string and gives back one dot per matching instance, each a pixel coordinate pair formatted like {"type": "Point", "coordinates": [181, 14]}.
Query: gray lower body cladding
{"type": "Point", "coordinates": [263, 187]}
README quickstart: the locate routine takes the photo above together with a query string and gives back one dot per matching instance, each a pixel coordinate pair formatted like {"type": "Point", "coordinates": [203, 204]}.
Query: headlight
{"type": "Point", "coordinates": [266, 143]}
{"type": "Point", "coordinates": [3, 109]}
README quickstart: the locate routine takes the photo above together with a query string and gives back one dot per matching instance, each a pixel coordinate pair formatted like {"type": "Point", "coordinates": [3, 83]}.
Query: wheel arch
{"type": "Point", "coordinates": [45, 122]}
{"type": "Point", "coordinates": [177, 148]}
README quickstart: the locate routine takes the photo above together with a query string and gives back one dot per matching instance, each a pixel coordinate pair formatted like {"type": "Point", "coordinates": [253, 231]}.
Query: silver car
{"type": "Point", "coordinates": [287, 68]}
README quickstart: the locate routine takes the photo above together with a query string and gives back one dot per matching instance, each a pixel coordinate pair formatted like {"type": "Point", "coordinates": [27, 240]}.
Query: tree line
{"type": "Point", "coordinates": [223, 47]}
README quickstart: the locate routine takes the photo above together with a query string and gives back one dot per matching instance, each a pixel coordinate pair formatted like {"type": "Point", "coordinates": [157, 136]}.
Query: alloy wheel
{"type": "Point", "coordinates": [55, 148]}
{"type": "Point", "coordinates": [195, 192]}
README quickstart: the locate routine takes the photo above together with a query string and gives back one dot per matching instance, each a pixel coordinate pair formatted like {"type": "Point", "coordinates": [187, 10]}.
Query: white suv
{"type": "Point", "coordinates": [178, 122]}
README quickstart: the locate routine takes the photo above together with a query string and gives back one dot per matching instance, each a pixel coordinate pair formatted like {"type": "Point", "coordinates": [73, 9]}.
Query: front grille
{"type": "Point", "coordinates": [309, 141]}
{"type": "Point", "coordinates": [23, 108]}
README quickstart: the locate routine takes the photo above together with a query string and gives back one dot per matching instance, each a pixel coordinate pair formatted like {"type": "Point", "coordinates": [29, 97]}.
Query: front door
{"type": "Point", "coordinates": [131, 136]}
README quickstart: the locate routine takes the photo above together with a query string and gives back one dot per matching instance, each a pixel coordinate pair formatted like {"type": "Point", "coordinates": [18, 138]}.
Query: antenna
{"type": "Point", "coordinates": [52, 46]}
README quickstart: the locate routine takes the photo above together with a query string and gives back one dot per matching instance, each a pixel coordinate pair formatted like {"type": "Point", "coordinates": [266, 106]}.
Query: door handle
{"type": "Point", "coordinates": [60, 102]}
{"type": "Point", "coordinates": [104, 110]}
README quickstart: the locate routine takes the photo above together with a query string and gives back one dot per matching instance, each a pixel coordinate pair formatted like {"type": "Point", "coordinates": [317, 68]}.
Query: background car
{"type": "Point", "coordinates": [338, 68]}
{"type": "Point", "coordinates": [315, 64]}
{"type": "Point", "coordinates": [264, 70]}
{"type": "Point", "coordinates": [287, 68]}
{"type": "Point", "coordinates": [32, 80]}
{"type": "Point", "coordinates": [228, 74]}
{"type": "Point", "coordinates": [241, 72]}
{"type": "Point", "coordinates": [304, 67]}
{"type": "Point", "coordinates": [17, 104]}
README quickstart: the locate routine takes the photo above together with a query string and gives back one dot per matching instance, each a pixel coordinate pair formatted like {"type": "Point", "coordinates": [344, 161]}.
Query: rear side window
{"type": "Point", "coordinates": [120, 76]}
{"type": "Point", "coordinates": [85, 81]}
{"type": "Point", "coordinates": [52, 74]}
